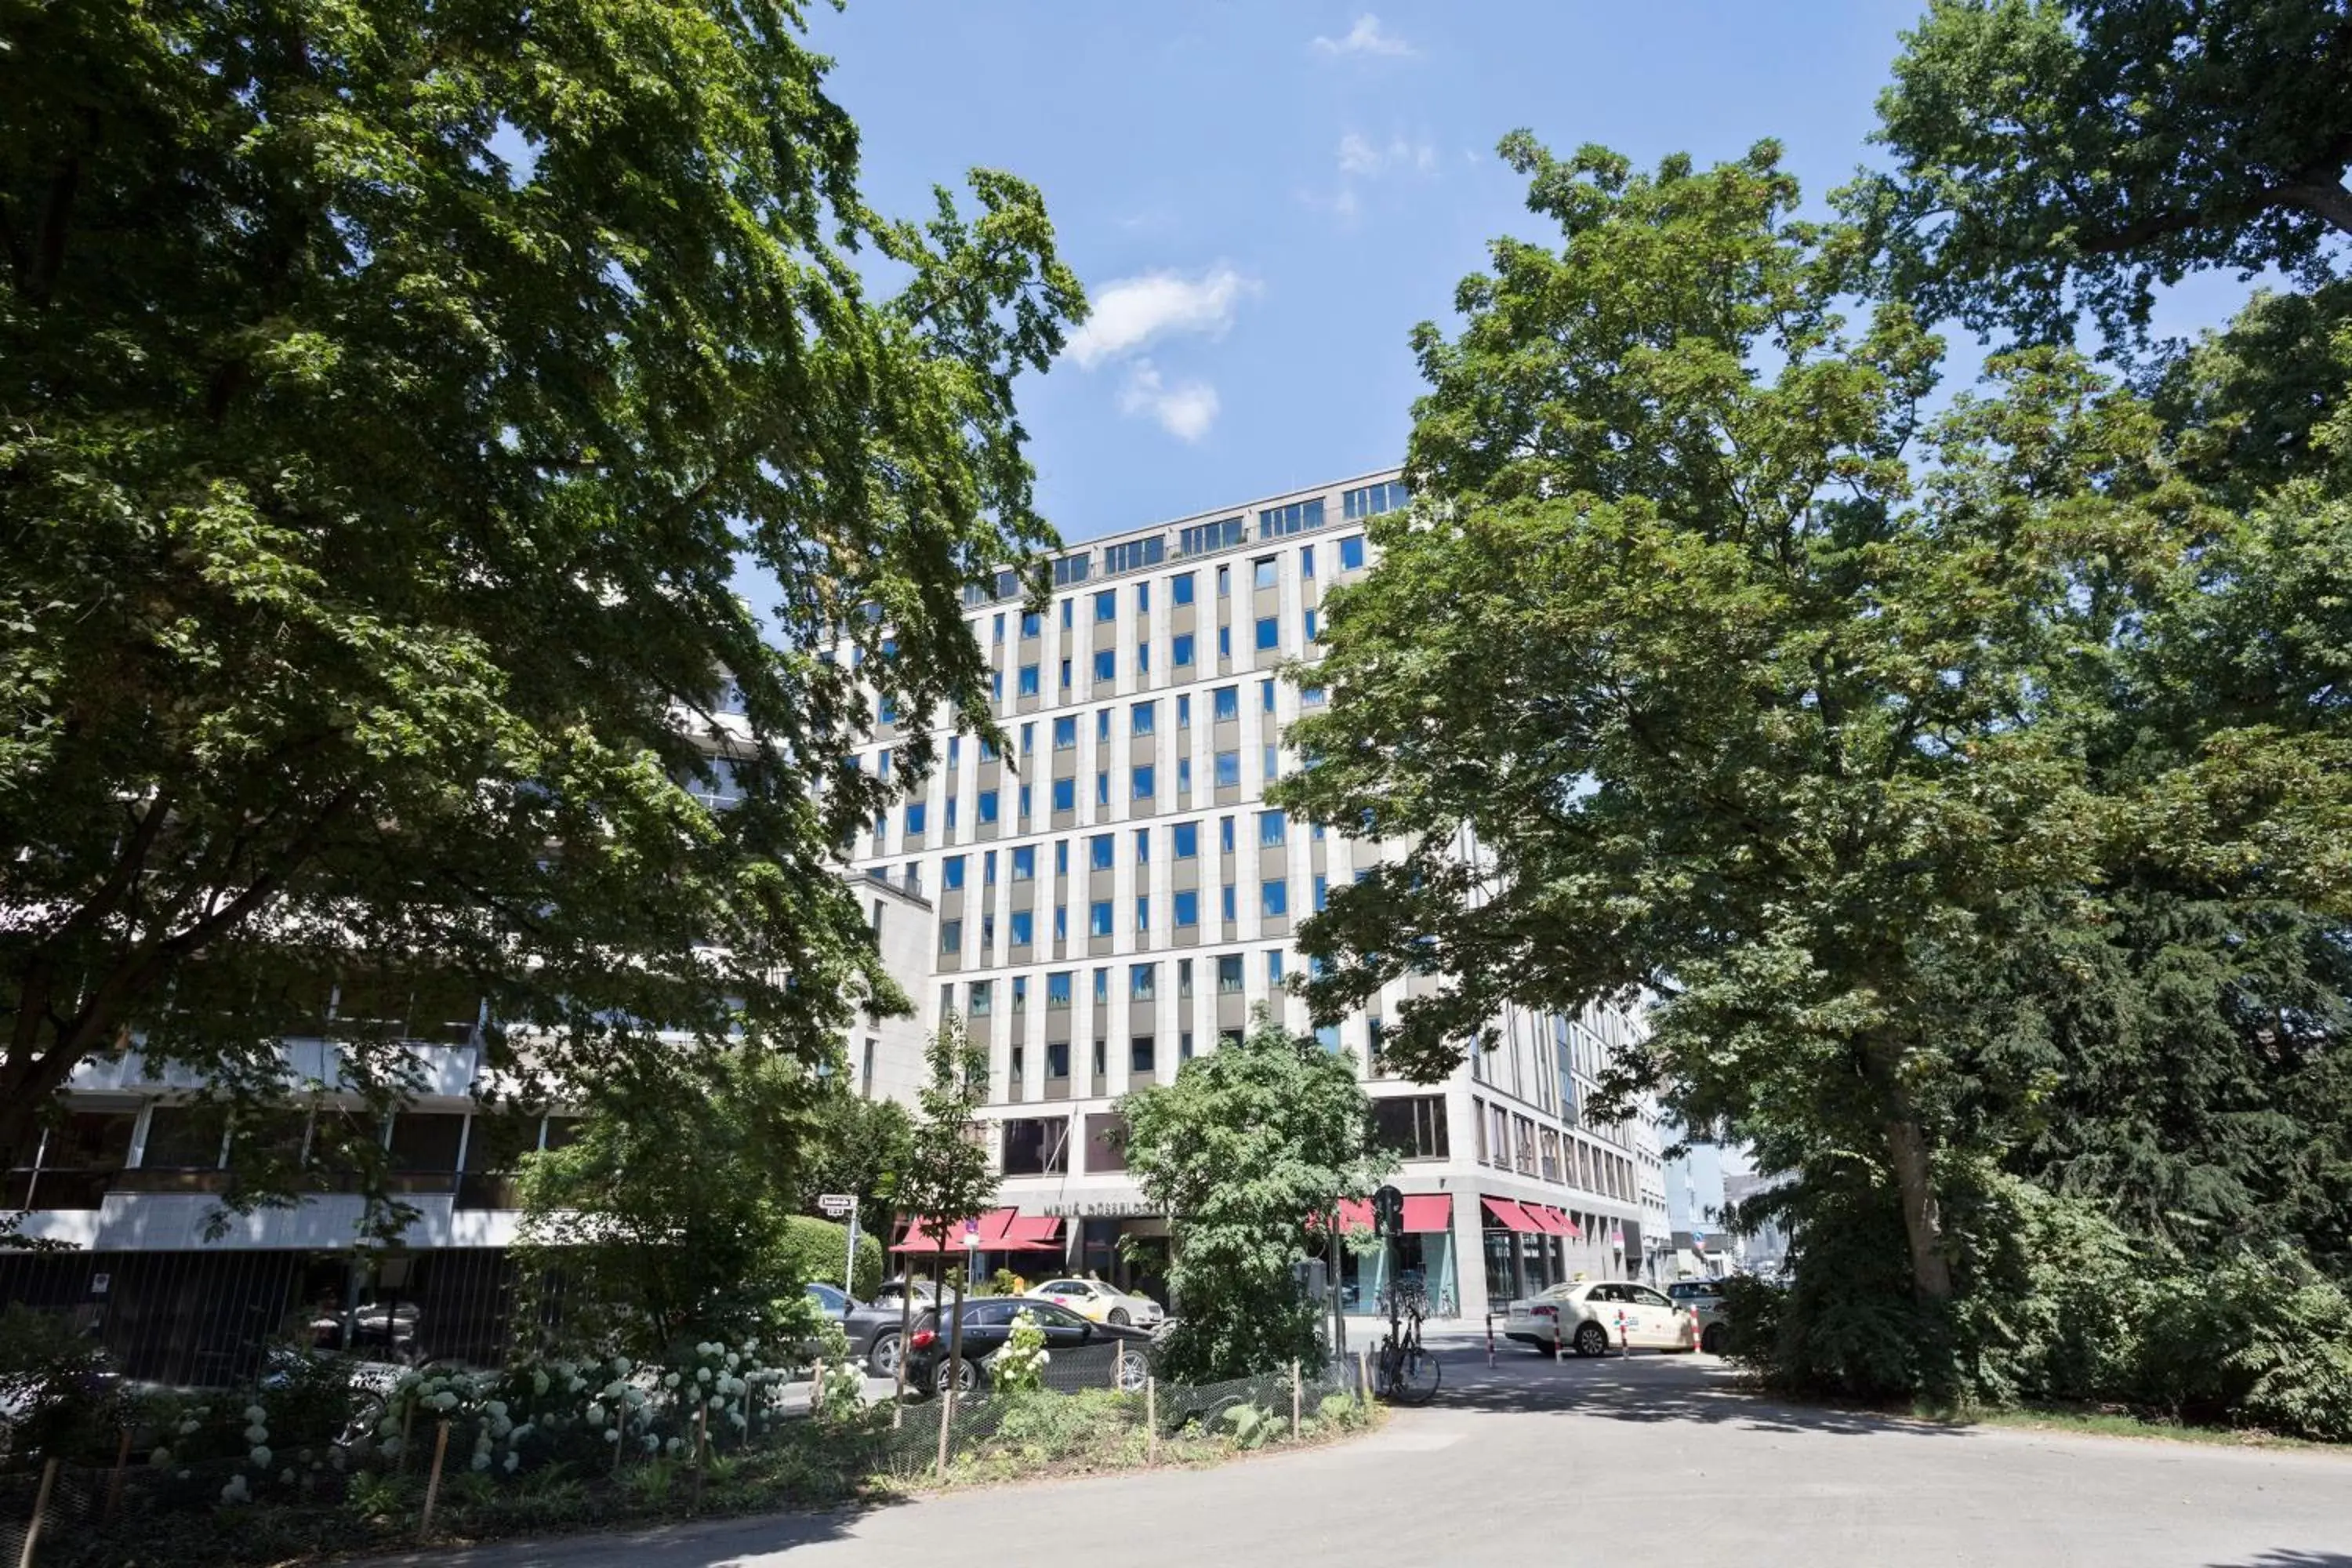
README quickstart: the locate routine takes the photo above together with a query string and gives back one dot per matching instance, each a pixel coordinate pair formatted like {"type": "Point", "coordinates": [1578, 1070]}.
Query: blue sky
{"type": "Point", "coordinates": [1264, 198]}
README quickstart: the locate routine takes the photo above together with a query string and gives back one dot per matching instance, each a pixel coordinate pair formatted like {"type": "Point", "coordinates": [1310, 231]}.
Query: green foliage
{"type": "Point", "coordinates": [393, 392]}
{"type": "Point", "coordinates": [668, 1219]}
{"type": "Point", "coordinates": [1252, 1425]}
{"type": "Point", "coordinates": [54, 1389]}
{"type": "Point", "coordinates": [1243, 1150]}
{"type": "Point", "coordinates": [818, 1251]}
{"type": "Point", "coordinates": [2060, 154]}
{"type": "Point", "coordinates": [840, 1391]}
{"type": "Point", "coordinates": [948, 1175]}
{"type": "Point", "coordinates": [1044, 1428]}
{"type": "Point", "coordinates": [2261, 1341]}
{"type": "Point", "coordinates": [857, 1146]}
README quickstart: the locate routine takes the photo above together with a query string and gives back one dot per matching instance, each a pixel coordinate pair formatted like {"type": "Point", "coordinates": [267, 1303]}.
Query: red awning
{"type": "Point", "coordinates": [1033, 1233]}
{"type": "Point", "coordinates": [922, 1235]}
{"type": "Point", "coordinates": [1426, 1211]}
{"type": "Point", "coordinates": [1547, 1218]}
{"type": "Point", "coordinates": [1574, 1230]}
{"type": "Point", "coordinates": [1355, 1214]}
{"type": "Point", "coordinates": [1511, 1216]}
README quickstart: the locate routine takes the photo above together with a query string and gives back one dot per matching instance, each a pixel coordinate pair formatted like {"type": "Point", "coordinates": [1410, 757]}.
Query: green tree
{"type": "Point", "coordinates": [947, 1177]}
{"type": "Point", "coordinates": [390, 394]}
{"type": "Point", "coordinates": [1246, 1150]}
{"type": "Point", "coordinates": [859, 1146]}
{"type": "Point", "coordinates": [2056, 155]}
{"type": "Point", "coordinates": [668, 1220]}
{"type": "Point", "coordinates": [1738, 697]}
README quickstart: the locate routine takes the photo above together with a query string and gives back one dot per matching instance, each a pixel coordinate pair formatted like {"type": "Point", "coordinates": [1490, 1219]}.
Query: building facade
{"type": "Point", "coordinates": [1111, 896]}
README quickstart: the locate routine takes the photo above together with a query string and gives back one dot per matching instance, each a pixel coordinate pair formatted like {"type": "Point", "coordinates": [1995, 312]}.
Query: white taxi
{"type": "Point", "coordinates": [1592, 1317]}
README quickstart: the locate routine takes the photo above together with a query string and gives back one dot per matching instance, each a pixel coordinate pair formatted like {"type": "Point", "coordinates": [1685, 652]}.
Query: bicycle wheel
{"type": "Point", "coordinates": [1417, 1378]}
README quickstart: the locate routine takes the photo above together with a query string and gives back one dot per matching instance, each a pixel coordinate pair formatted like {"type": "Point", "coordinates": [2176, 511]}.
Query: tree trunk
{"type": "Point", "coordinates": [1923, 1221]}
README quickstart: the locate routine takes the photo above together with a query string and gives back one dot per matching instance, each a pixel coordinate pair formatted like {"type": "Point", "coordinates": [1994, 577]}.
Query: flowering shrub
{"type": "Point", "coordinates": [839, 1391]}
{"type": "Point", "coordinates": [1019, 1367]}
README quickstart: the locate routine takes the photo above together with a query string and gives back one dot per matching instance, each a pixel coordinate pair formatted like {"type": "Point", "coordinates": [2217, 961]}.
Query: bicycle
{"type": "Point", "coordinates": [1403, 1371]}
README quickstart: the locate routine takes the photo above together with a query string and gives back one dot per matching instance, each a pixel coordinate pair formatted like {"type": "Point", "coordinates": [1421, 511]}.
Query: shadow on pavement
{"type": "Point", "coordinates": [694, 1543]}
{"type": "Point", "coordinates": [2288, 1558]}
{"type": "Point", "coordinates": [1646, 1388]}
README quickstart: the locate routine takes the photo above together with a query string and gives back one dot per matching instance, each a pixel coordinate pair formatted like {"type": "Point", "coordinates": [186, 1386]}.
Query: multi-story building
{"type": "Point", "coordinates": [1112, 896]}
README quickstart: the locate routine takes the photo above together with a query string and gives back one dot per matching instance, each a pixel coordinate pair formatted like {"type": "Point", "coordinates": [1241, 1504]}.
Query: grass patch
{"type": "Point", "coordinates": [2120, 1424]}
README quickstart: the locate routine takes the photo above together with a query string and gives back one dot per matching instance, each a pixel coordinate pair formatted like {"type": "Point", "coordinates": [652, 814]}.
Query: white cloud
{"type": "Point", "coordinates": [1359, 157]}
{"type": "Point", "coordinates": [1132, 311]}
{"type": "Point", "coordinates": [1185, 410]}
{"type": "Point", "coordinates": [1365, 38]}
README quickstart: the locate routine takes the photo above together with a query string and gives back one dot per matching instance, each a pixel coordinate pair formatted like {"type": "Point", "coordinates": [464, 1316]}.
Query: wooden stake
{"type": "Point", "coordinates": [1294, 1401]}
{"type": "Point", "coordinates": [701, 1444]}
{"type": "Point", "coordinates": [433, 1484]}
{"type": "Point", "coordinates": [1151, 1420]}
{"type": "Point", "coordinates": [408, 1414]}
{"type": "Point", "coordinates": [1364, 1377]}
{"type": "Point", "coordinates": [114, 1482]}
{"type": "Point", "coordinates": [947, 1402]}
{"type": "Point", "coordinates": [40, 1510]}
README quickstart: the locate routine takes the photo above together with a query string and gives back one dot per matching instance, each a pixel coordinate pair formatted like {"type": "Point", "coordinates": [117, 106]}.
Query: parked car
{"type": "Point", "coordinates": [1102, 1303]}
{"type": "Point", "coordinates": [1083, 1353]}
{"type": "Point", "coordinates": [1704, 1297]}
{"type": "Point", "coordinates": [1591, 1317]}
{"type": "Point", "coordinates": [872, 1327]}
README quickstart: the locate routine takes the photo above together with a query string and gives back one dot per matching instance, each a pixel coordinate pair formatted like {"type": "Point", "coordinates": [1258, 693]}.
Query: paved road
{"type": "Point", "coordinates": [1654, 1458]}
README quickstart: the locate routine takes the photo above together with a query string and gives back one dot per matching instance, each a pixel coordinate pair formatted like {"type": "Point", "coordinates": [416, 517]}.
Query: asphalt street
{"type": "Point", "coordinates": [1652, 1457]}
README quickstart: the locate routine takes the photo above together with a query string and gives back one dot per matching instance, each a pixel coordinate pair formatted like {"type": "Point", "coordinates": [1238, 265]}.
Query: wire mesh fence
{"type": "Point", "coordinates": [561, 1444]}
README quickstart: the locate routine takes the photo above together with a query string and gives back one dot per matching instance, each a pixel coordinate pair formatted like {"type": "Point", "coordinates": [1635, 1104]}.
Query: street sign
{"type": "Point", "coordinates": [1387, 1211]}
{"type": "Point", "coordinates": [837, 1203]}
{"type": "Point", "coordinates": [971, 1233]}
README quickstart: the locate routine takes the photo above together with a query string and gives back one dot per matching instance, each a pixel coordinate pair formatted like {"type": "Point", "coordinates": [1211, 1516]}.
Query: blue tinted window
{"type": "Point", "coordinates": [1181, 654]}
{"type": "Point", "coordinates": [1144, 778]}
{"type": "Point", "coordinates": [1024, 928]}
{"type": "Point", "coordinates": [1066, 732]}
{"type": "Point", "coordinates": [1180, 589]}
{"type": "Point", "coordinates": [1107, 665]}
{"type": "Point", "coordinates": [1141, 717]}
{"type": "Point", "coordinates": [952, 872]}
{"type": "Point", "coordinates": [1188, 907]}
{"type": "Point", "coordinates": [1188, 840]}
{"type": "Point", "coordinates": [1106, 605]}
{"type": "Point", "coordinates": [1229, 771]}
{"type": "Point", "coordinates": [915, 817]}
{"type": "Point", "coordinates": [1099, 918]}
{"type": "Point", "coordinates": [1351, 553]}
{"type": "Point", "coordinates": [1269, 632]}
{"type": "Point", "coordinates": [1228, 701]}
{"type": "Point", "coordinates": [1102, 852]}
{"type": "Point", "coordinates": [1024, 863]}
{"type": "Point", "coordinates": [1028, 687]}
{"type": "Point", "coordinates": [988, 806]}
{"type": "Point", "coordinates": [1274, 899]}
{"type": "Point", "coordinates": [1065, 795]}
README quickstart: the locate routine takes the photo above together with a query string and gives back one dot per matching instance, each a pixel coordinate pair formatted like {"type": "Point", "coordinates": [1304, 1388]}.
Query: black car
{"type": "Point", "coordinates": [1082, 1355]}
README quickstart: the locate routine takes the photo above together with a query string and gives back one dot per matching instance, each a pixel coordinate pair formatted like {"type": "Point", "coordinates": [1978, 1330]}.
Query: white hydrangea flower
{"type": "Point", "coordinates": [235, 1492]}
{"type": "Point", "coordinates": [260, 1457]}
{"type": "Point", "coordinates": [256, 1416]}
{"type": "Point", "coordinates": [539, 1382]}
{"type": "Point", "coordinates": [391, 1447]}
{"type": "Point", "coordinates": [733, 1361]}
{"type": "Point", "coordinates": [481, 1458]}
{"type": "Point", "coordinates": [622, 1364]}
{"type": "Point", "coordinates": [256, 1433]}
{"type": "Point", "coordinates": [161, 1458]}
{"type": "Point", "coordinates": [673, 1446]}
{"type": "Point", "coordinates": [611, 1434]}
{"type": "Point", "coordinates": [670, 1380]}
{"type": "Point", "coordinates": [595, 1414]}
{"type": "Point", "coordinates": [702, 1374]}
{"type": "Point", "coordinates": [514, 1462]}
{"type": "Point", "coordinates": [444, 1401]}
{"type": "Point", "coordinates": [188, 1428]}
{"type": "Point", "coordinates": [498, 1409]}
{"type": "Point", "coordinates": [286, 1477]}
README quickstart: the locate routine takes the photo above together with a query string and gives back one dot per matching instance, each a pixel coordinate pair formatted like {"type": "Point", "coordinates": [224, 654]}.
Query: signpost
{"type": "Point", "coordinates": [836, 1204]}
{"type": "Point", "coordinates": [1388, 1213]}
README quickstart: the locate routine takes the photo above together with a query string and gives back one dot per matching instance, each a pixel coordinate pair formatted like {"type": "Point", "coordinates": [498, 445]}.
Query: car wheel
{"type": "Point", "coordinates": [1711, 1341]}
{"type": "Point", "coordinates": [882, 1357]}
{"type": "Point", "coordinates": [963, 1371]}
{"type": "Point", "coordinates": [1133, 1373]}
{"type": "Point", "coordinates": [1118, 1315]}
{"type": "Point", "coordinates": [1591, 1340]}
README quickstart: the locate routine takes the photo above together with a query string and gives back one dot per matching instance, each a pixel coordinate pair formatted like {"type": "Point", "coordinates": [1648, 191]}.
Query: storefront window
{"type": "Point", "coordinates": [1502, 1274]}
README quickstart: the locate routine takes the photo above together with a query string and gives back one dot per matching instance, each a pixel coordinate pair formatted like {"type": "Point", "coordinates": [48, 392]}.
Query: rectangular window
{"type": "Point", "coordinates": [1099, 918]}
{"type": "Point", "coordinates": [1143, 598]}
{"type": "Point", "coordinates": [1229, 973]}
{"type": "Point", "coordinates": [1067, 605]}
{"type": "Point", "coordinates": [1039, 1146]}
{"type": "Point", "coordinates": [1224, 582]}
{"type": "Point", "coordinates": [1351, 553]}
{"type": "Point", "coordinates": [1025, 801]}
{"type": "Point", "coordinates": [1057, 1059]}
{"type": "Point", "coordinates": [1024, 863]}
{"type": "Point", "coordinates": [1134, 556]}
{"type": "Point", "coordinates": [1275, 521]}
{"type": "Point", "coordinates": [1180, 589]}
{"type": "Point", "coordinates": [1412, 1127]}
{"type": "Point", "coordinates": [1057, 991]}
{"type": "Point", "coordinates": [915, 818]}
{"type": "Point", "coordinates": [1265, 572]}
{"type": "Point", "coordinates": [1061, 856]}
{"type": "Point", "coordinates": [987, 869]}
{"type": "Point", "coordinates": [1227, 702]}
{"type": "Point", "coordinates": [1266, 695]}
{"type": "Point", "coordinates": [951, 936]}
{"type": "Point", "coordinates": [982, 999]}
{"type": "Point", "coordinates": [1142, 982]}
{"type": "Point", "coordinates": [1188, 907]}
{"type": "Point", "coordinates": [1229, 770]}
{"type": "Point", "coordinates": [1273, 829]}
{"type": "Point", "coordinates": [1188, 840]}
{"type": "Point", "coordinates": [1102, 726]}
{"type": "Point", "coordinates": [1222, 534]}
{"type": "Point", "coordinates": [1231, 906]}
{"type": "Point", "coordinates": [1028, 739]}
{"type": "Point", "coordinates": [1143, 781]}
{"type": "Point", "coordinates": [988, 750]}
{"type": "Point", "coordinates": [1274, 899]}
{"type": "Point", "coordinates": [1274, 966]}
{"type": "Point", "coordinates": [1306, 561]}
{"type": "Point", "coordinates": [1143, 913]}
{"type": "Point", "coordinates": [1102, 851]}
{"type": "Point", "coordinates": [1102, 789]}
{"type": "Point", "coordinates": [1143, 658]}
{"type": "Point", "coordinates": [1272, 769]}
{"type": "Point", "coordinates": [1322, 885]}
{"type": "Point", "coordinates": [1310, 697]}
{"type": "Point", "coordinates": [995, 691]}
{"type": "Point", "coordinates": [1225, 642]}
{"type": "Point", "coordinates": [1143, 717]}
{"type": "Point", "coordinates": [1140, 1054]}
{"type": "Point", "coordinates": [1184, 979]}
{"type": "Point", "coordinates": [1106, 605]}
{"type": "Point", "coordinates": [1269, 633]}
{"type": "Point", "coordinates": [987, 804]}
{"type": "Point", "coordinates": [1061, 922]}
{"type": "Point", "coordinates": [1066, 732]}
{"type": "Point", "coordinates": [1181, 654]}
{"type": "Point", "coordinates": [955, 749]}
{"type": "Point", "coordinates": [1107, 665]}
{"type": "Point", "coordinates": [1029, 626]}
{"type": "Point", "coordinates": [1371, 501]}
{"type": "Point", "coordinates": [952, 873]}
{"type": "Point", "coordinates": [1313, 632]}
{"type": "Point", "coordinates": [1066, 670]}
{"type": "Point", "coordinates": [1072, 569]}
{"type": "Point", "coordinates": [1028, 686]}
{"type": "Point", "coordinates": [1225, 834]}
{"type": "Point", "coordinates": [1143, 845]}
{"type": "Point", "coordinates": [1065, 795]}
{"type": "Point", "coordinates": [1024, 927]}
{"type": "Point", "coordinates": [1102, 987]}
{"type": "Point", "coordinates": [1184, 712]}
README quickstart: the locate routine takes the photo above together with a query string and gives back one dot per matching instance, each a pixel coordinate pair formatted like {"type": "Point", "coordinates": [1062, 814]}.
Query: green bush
{"type": "Point", "coordinates": [817, 1250]}
{"type": "Point", "coordinates": [53, 1384]}
{"type": "Point", "coordinates": [2262, 1341]}
{"type": "Point", "coordinates": [1042, 1427]}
